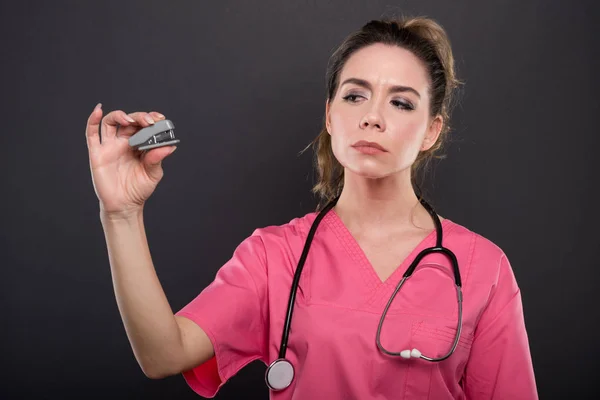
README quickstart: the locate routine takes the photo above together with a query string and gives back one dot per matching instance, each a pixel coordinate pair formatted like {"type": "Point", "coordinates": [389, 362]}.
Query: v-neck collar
{"type": "Point", "coordinates": [379, 290]}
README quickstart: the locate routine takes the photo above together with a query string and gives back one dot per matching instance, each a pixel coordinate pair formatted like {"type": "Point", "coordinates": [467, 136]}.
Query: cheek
{"type": "Point", "coordinates": [408, 137]}
{"type": "Point", "coordinates": [341, 125]}
{"type": "Point", "coordinates": [337, 147]}
{"type": "Point", "coordinates": [340, 130]}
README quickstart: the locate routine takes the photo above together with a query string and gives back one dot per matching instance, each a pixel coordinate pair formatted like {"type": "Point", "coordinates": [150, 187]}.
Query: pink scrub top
{"type": "Point", "coordinates": [340, 300]}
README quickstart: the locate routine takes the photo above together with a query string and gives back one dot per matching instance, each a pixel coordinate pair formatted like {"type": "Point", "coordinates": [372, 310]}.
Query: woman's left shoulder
{"type": "Point", "coordinates": [475, 248]}
{"type": "Point", "coordinates": [483, 264]}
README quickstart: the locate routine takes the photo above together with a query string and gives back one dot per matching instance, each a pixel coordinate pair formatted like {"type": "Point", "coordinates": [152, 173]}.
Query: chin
{"type": "Point", "coordinates": [368, 171]}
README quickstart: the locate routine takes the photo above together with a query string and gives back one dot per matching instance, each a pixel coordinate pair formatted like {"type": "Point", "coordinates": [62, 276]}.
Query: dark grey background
{"type": "Point", "coordinates": [244, 84]}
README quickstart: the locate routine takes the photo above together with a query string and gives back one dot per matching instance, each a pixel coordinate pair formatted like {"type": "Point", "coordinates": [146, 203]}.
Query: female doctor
{"type": "Point", "coordinates": [373, 296]}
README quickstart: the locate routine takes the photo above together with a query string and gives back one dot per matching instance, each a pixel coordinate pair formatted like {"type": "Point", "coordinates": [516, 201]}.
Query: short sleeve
{"type": "Point", "coordinates": [500, 365]}
{"type": "Point", "coordinates": [231, 310]}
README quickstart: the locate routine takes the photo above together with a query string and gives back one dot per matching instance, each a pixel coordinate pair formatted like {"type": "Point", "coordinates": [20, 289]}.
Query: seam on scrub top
{"type": "Point", "coordinates": [421, 328]}
{"type": "Point", "coordinates": [474, 238]}
{"type": "Point", "coordinates": [446, 332]}
{"type": "Point", "coordinates": [431, 238]}
{"type": "Point", "coordinates": [357, 254]}
{"type": "Point", "coordinates": [263, 323]}
{"type": "Point", "coordinates": [483, 309]}
{"type": "Point", "coordinates": [306, 274]}
{"type": "Point", "coordinates": [352, 249]}
{"type": "Point", "coordinates": [378, 312]}
{"type": "Point", "coordinates": [406, 377]}
{"type": "Point", "coordinates": [415, 327]}
{"type": "Point", "coordinates": [491, 323]}
{"type": "Point", "coordinates": [464, 341]}
{"type": "Point", "coordinates": [388, 287]}
{"type": "Point", "coordinates": [431, 369]}
{"type": "Point", "coordinates": [221, 367]}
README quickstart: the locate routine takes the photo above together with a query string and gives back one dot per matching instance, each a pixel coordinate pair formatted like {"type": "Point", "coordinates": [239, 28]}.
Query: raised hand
{"type": "Point", "coordinates": [123, 177]}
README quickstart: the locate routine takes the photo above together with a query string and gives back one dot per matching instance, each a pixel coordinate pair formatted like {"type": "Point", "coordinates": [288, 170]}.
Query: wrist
{"type": "Point", "coordinates": [121, 216]}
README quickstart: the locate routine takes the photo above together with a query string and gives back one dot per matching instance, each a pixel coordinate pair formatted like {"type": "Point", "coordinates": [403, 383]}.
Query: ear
{"type": "Point", "coordinates": [433, 133]}
{"type": "Point", "coordinates": [327, 121]}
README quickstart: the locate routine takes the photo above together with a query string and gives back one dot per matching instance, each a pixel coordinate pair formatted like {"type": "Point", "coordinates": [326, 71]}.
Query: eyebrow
{"type": "Point", "coordinates": [393, 89]}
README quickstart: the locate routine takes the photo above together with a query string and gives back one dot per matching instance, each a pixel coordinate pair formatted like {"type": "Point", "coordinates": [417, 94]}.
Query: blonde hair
{"type": "Point", "coordinates": [428, 41]}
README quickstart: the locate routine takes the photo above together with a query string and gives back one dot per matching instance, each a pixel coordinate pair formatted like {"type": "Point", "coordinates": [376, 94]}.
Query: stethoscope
{"type": "Point", "coordinates": [280, 373]}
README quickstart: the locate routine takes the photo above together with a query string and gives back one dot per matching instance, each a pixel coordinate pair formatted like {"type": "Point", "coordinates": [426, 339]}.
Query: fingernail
{"type": "Point", "coordinates": [174, 148]}
{"type": "Point", "coordinates": [128, 118]}
{"type": "Point", "coordinates": [99, 105]}
{"type": "Point", "coordinates": [160, 116]}
{"type": "Point", "coordinates": [149, 119]}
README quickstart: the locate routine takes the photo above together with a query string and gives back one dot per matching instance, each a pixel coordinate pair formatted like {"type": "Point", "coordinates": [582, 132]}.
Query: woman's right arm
{"type": "Point", "coordinates": [123, 180]}
{"type": "Point", "coordinates": [163, 344]}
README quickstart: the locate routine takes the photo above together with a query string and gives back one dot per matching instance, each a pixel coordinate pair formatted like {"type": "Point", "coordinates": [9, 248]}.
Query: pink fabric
{"type": "Point", "coordinates": [332, 341]}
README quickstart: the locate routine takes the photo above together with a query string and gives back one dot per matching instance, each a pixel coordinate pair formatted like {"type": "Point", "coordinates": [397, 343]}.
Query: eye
{"type": "Point", "coordinates": [352, 97]}
{"type": "Point", "coordinates": [403, 105]}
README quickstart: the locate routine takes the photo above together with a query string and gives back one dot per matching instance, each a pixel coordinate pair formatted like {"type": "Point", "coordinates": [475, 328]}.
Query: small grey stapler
{"type": "Point", "coordinates": [158, 135]}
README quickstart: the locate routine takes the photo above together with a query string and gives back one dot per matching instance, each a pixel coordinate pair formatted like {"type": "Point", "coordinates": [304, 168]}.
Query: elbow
{"type": "Point", "coordinates": [154, 371]}
{"type": "Point", "coordinates": [153, 374]}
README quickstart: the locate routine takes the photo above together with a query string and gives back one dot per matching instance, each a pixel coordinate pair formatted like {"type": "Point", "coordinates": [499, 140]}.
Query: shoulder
{"type": "Point", "coordinates": [485, 259]}
{"type": "Point", "coordinates": [283, 239]}
{"type": "Point", "coordinates": [270, 246]}
{"type": "Point", "coordinates": [296, 229]}
{"type": "Point", "coordinates": [476, 241]}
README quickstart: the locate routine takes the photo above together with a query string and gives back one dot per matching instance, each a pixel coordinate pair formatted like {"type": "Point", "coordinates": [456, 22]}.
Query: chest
{"type": "Point", "coordinates": [386, 255]}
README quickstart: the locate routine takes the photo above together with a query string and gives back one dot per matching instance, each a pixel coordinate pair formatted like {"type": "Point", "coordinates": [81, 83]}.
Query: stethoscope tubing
{"type": "Point", "coordinates": [282, 369]}
{"type": "Point", "coordinates": [297, 274]}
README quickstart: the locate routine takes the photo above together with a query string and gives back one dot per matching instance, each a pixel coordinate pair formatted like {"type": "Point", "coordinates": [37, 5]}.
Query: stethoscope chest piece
{"type": "Point", "coordinates": [279, 374]}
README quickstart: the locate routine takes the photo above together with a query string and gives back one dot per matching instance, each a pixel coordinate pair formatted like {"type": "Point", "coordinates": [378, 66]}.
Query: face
{"type": "Point", "coordinates": [382, 101]}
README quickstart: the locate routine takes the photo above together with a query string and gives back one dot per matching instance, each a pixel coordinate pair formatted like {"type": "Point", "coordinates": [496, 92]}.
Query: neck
{"type": "Point", "coordinates": [382, 205]}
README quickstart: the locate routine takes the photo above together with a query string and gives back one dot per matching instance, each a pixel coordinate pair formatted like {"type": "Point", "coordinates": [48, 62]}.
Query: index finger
{"type": "Point", "coordinates": [140, 122]}
{"type": "Point", "coordinates": [112, 121]}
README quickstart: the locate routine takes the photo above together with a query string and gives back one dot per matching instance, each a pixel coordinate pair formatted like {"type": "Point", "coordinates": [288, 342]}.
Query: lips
{"type": "Point", "coordinates": [364, 143]}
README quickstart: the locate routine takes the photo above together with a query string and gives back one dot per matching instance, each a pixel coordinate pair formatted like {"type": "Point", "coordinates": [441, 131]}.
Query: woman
{"type": "Point", "coordinates": [389, 91]}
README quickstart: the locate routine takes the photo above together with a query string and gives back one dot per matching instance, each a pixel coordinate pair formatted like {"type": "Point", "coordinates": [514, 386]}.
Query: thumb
{"type": "Point", "coordinates": [152, 160]}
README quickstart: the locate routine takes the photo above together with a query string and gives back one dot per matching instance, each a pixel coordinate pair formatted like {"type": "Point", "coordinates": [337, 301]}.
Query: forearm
{"type": "Point", "coordinates": [147, 316]}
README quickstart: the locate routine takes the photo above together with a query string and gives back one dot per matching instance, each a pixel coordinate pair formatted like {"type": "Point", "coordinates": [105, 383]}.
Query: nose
{"type": "Point", "coordinates": [372, 119]}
